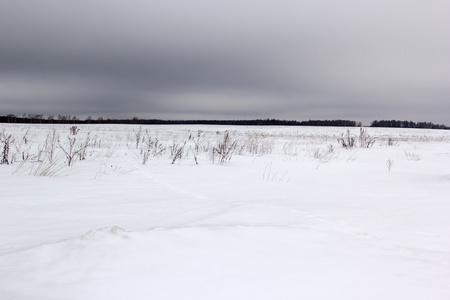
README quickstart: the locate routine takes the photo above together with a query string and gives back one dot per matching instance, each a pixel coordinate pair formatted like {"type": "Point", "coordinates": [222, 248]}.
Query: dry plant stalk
{"type": "Point", "coordinates": [225, 149]}
{"type": "Point", "coordinates": [389, 164]}
{"type": "Point", "coordinates": [6, 140]}
{"type": "Point", "coordinates": [346, 141]}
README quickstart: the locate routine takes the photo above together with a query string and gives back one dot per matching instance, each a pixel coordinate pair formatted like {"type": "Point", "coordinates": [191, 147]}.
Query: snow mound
{"type": "Point", "coordinates": [105, 232]}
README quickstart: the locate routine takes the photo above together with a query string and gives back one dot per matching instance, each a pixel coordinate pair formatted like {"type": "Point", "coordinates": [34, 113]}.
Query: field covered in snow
{"type": "Point", "coordinates": [223, 212]}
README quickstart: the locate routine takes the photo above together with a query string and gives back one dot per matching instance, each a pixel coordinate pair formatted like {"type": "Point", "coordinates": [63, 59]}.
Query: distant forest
{"type": "Point", "coordinates": [406, 124]}
{"type": "Point", "coordinates": [67, 119]}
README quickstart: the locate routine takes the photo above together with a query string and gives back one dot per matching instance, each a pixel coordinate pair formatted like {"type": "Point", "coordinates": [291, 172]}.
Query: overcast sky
{"type": "Point", "coordinates": [314, 59]}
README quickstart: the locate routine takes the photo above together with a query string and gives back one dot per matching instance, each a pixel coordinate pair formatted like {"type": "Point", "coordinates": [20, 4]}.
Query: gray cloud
{"type": "Point", "coordinates": [360, 60]}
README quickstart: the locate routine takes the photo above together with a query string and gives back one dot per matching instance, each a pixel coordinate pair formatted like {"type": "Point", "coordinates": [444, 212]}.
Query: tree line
{"type": "Point", "coordinates": [407, 124]}
{"type": "Point", "coordinates": [68, 119]}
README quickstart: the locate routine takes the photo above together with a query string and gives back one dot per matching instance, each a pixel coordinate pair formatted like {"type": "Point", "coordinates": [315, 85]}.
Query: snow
{"type": "Point", "coordinates": [289, 220]}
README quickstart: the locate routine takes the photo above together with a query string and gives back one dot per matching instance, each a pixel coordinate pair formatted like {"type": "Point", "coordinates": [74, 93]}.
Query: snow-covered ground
{"type": "Point", "coordinates": [292, 215]}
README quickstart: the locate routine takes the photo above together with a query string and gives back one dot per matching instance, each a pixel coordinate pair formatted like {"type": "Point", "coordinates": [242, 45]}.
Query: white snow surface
{"type": "Point", "coordinates": [285, 218]}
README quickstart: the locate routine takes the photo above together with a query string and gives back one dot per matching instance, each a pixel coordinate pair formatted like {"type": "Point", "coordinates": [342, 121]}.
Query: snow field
{"type": "Point", "coordinates": [285, 218]}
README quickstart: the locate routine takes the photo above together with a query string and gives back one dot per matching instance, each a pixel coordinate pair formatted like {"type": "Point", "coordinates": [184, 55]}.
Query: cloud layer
{"type": "Point", "coordinates": [360, 60]}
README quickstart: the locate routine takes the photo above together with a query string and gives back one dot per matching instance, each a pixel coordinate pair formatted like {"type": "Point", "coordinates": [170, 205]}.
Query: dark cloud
{"type": "Point", "coordinates": [361, 60]}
